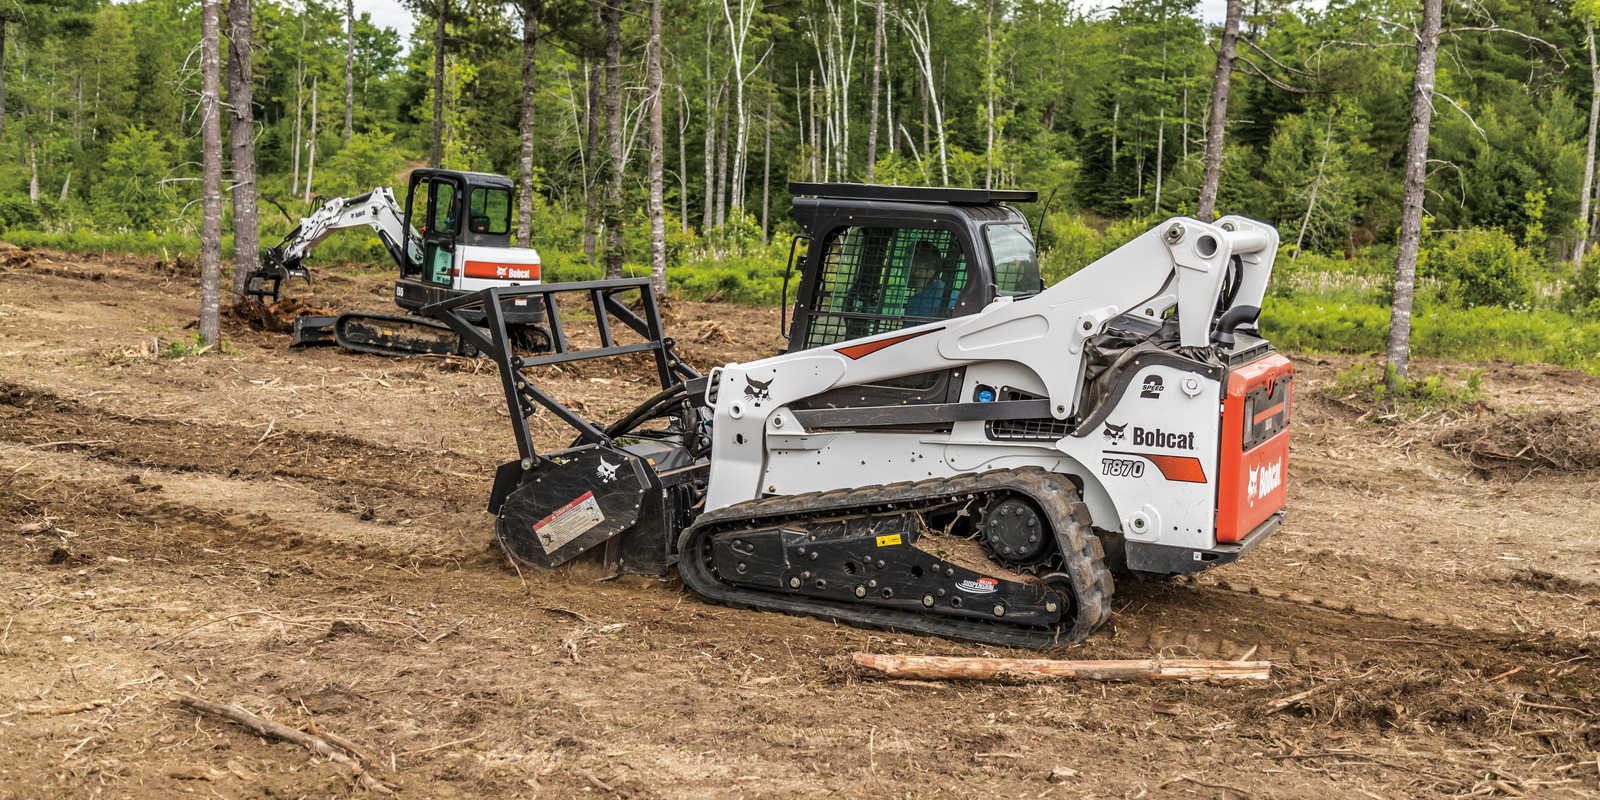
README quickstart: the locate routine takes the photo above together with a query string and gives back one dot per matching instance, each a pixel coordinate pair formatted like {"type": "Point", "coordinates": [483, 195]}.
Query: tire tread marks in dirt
{"type": "Point", "coordinates": [33, 416]}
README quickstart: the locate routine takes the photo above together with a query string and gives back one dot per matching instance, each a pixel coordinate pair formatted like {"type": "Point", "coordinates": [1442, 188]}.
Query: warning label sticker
{"type": "Point", "coordinates": [568, 522]}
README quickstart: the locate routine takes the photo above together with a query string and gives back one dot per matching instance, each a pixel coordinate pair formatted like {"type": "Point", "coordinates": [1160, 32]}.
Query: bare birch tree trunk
{"type": "Point", "coordinates": [349, 68]}
{"type": "Point", "coordinates": [918, 28]}
{"type": "Point", "coordinates": [530, 94]}
{"type": "Point", "coordinates": [722, 159]}
{"type": "Point", "coordinates": [436, 154]}
{"type": "Point", "coordinates": [1588, 161]}
{"type": "Point", "coordinates": [872, 129]}
{"type": "Point", "coordinates": [1405, 268]}
{"type": "Point", "coordinates": [5, 23]}
{"type": "Point", "coordinates": [683, 158]}
{"type": "Point", "coordinates": [241, 134]}
{"type": "Point", "coordinates": [1316, 186]}
{"type": "Point", "coordinates": [33, 166]}
{"type": "Point", "coordinates": [593, 171]}
{"type": "Point", "coordinates": [766, 163]}
{"type": "Point", "coordinates": [658, 211]}
{"type": "Point", "coordinates": [988, 89]}
{"type": "Point", "coordinates": [612, 12]}
{"type": "Point", "coordinates": [1211, 173]}
{"type": "Point", "coordinates": [211, 173]}
{"type": "Point", "coordinates": [1161, 149]}
{"type": "Point", "coordinates": [711, 142]}
{"type": "Point", "coordinates": [738, 36]}
{"type": "Point", "coordinates": [311, 159]}
{"type": "Point", "coordinates": [299, 103]}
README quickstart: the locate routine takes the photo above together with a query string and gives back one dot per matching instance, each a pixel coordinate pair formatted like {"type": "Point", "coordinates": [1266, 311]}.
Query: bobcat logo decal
{"type": "Point", "coordinates": [1114, 433]}
{"type": "Point", "coordinates": [607, 472]}
{"type": "Point", "coordinates": [756, 391]}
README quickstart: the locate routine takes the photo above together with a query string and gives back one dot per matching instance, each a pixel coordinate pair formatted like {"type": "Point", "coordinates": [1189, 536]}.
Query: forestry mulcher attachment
{"type": "Point", "coordinates": [452, 237]}
{"type": "Point", "coordinates": [947, 448]}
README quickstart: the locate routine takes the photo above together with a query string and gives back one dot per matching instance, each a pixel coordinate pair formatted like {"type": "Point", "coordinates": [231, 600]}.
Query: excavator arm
{"type": "Point", "coordinates": [376, 209]}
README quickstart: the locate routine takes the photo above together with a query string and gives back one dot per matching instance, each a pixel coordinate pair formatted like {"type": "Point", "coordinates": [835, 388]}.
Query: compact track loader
{"type": "Point", "coordinates": [452, 237]}
{"type": "Point", "coordinates": [947, 448]}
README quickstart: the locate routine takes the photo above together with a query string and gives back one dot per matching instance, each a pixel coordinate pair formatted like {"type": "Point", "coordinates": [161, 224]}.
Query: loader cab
{"type": "Point", "coordinates": [882, 258]}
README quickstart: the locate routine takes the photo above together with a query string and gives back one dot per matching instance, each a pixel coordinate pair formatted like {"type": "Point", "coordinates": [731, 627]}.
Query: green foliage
{"type": "Point", "coordinates": [369, 159]}
{"type": "Point", "coordinates": [1350, 325]}
{"type": "Point", "coordinates": [1367, 385]}
{"type": "Point", "coordinates": [1480, 268]}
{"type": "Point", "coordinates": [131, 197]}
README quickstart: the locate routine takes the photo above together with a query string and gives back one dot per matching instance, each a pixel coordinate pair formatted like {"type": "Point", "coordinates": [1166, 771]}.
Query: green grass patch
{"type": "Point", "coordinates": [1342, 325]}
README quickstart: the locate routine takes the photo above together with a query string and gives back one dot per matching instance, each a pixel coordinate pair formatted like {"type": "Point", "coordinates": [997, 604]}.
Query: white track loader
{"type": "Point", "coordinates": [946, 448]}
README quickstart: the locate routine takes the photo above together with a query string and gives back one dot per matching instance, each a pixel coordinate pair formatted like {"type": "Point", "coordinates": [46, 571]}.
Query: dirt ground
{"type": "Point", "coordinates": [301, 532]}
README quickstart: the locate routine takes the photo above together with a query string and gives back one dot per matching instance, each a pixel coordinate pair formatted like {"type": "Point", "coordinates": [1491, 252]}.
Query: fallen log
{"type": "Point", "coordinates": [983, 669]}
{"type": "Point", "coordinates": [267, 727]}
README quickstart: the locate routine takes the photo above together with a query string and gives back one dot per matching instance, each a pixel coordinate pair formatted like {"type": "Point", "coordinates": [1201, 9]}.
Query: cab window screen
{"type": "Point", "coordinates": [1016, 262]}
{"type": "Point", "coordinates": [491, 211]}
{"type": "Point", "coordinates": [875, 279]}
{"type": "Point", "coordinates": [442, 217]}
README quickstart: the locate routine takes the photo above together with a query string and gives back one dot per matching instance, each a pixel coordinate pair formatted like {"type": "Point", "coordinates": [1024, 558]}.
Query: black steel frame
{"type": "Point", "coordinates": [521, 393]}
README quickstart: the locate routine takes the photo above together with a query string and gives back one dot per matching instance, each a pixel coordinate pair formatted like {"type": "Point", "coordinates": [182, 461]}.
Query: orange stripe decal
{"type": "Point", "coordinates": [1186, 469]}
{"type": "Point", "coordinates": [1269, 412]}
{"type": "Point", "coordinates": [857, 351]}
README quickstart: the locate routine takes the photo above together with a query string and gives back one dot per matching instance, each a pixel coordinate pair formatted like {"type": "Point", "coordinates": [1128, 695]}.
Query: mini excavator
{"type": "Point", "coordinates": [452, 237]}
{"type": "Point", "coordinates": [947, 447]}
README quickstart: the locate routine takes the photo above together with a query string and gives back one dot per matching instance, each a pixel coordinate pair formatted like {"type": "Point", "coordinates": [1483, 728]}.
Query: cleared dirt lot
{"type": "Point", "coordinates": [322, 511]}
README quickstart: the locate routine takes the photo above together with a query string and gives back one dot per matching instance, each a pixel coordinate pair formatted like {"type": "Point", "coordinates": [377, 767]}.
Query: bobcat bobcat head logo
{"type": "Point", "coordinates": [756, 391]}
{"type": "Point", "coordinates": [607, 472]}
{"type": "Point", "coordinates": [1114, 433]}
{"type": "Point", "coordinates": [1250, 491]}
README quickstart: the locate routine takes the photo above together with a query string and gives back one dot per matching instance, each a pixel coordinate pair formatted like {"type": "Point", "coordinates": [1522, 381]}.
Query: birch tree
{"type": "Point", "coordinates": [914, 21]}
{"type": "Point", "coordinates": [658, 211]}
{"type": "Point", "coordinates": [872, 129]}
{"type": "Point", "coordinates": [739, 21]}
{"type": "Point", "coordinates": [349, 67]}
{"type": "Point", "coordinates": [1588, 160]}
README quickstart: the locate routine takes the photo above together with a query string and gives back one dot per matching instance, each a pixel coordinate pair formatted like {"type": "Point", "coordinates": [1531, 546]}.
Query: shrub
{"type": "Point", "coordinates": [1382, 389]}
{"type": "Point", "coordinates": [1480, 268]}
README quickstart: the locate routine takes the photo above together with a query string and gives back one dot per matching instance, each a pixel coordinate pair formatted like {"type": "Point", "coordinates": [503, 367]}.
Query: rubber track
{"type": "Point", "coordinates": [1082, 556]}
{"type": "Point", "coordinates": [403, 319]}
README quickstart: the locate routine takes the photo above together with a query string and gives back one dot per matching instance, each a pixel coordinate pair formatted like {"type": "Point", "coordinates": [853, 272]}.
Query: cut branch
{"type": "Point", "coordinates": [982, 669]}
{"type": "Point", "coordinates": [267, 727]}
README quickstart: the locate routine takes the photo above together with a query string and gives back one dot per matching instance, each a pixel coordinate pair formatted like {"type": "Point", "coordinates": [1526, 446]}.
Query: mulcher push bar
{"type": "Point", "coordinates": [604, 298]}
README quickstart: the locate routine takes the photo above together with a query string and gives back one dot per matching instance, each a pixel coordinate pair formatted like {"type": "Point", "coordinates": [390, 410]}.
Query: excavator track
{"type": "Point", "coordinates": [1081, 576]}
{"type": "Point", "coordinates": [398, 335]}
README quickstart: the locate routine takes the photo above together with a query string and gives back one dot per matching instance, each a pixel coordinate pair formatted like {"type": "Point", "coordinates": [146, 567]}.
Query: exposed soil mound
{"type": "Point", "coordinates": [1568, 441]}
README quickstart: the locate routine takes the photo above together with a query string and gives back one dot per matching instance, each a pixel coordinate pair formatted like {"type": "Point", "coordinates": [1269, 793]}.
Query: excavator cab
{"type": "Point", "coordinates": [882, 258]}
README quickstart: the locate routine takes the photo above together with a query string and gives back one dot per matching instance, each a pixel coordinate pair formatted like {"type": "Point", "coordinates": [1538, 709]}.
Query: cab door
{"type": "Point", "coordinates": [435, 201]}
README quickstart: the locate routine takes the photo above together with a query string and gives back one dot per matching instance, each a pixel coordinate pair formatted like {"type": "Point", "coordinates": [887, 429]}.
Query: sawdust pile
{"type": "Point", "coordinates": [278, 317]}
{"type": "Point", "coordinates": [1567, 441]}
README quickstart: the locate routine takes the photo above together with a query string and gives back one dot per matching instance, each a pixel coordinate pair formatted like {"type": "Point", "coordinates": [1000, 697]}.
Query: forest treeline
{"type": "Point", "coordinates": [1104, 109]}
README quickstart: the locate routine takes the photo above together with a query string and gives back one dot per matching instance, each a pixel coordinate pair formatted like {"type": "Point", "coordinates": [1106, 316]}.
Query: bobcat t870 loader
{"type": "Point", "coordinates": [947, 447]}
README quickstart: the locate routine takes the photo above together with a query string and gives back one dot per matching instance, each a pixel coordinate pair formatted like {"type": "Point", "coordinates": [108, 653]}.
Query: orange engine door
{"type": "Point", "coordinates": [1254, 463]}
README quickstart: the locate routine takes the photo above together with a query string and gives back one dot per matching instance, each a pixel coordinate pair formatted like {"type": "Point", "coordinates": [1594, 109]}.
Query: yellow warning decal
{"type": "Point", "coordinates": [885, 541]}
